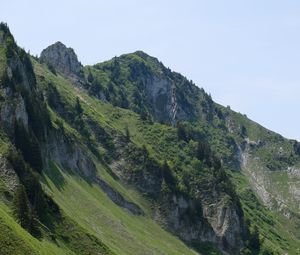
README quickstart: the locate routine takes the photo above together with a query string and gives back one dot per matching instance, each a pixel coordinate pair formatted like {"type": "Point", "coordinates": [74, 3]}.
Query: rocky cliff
{"type": "Point", "coordinates": [62, 60]}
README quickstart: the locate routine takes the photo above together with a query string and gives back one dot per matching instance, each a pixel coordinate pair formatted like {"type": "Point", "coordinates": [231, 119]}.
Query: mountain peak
{"type": "Point", "coordinates": [4, 32]}
{"type": "Point", "coordinates": [63, 59]}
{"type": "Point", "coordinates": [141, 54]}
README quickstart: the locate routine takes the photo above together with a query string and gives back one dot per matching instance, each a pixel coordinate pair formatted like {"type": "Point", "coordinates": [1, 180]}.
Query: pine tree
{"type": "Point", "coordinates": [116, 70]}
{"type": "Point", "coordinates": [90, 77]}
{"type": "Point", "coordinates": [168, 174]}
{"type": "Point", "coordinates": [181, 132]}
{"type": "Point", "coordinates": [27, 143]}
{"type": "Point", "coordinates": [127, 134]}
{"type": "Point", "coordinates": [26, 217]}
{"type": "Point", "coordinates": [78, 107]}
{"type": "Point", "coordinates": [34, 225]}
{"type": "Point", "coordinates": [254, 241]}
{"type": "Point", "coordinates": [21, 208]}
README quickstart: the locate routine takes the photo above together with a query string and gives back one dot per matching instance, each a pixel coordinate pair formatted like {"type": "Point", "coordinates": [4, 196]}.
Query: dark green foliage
{"type": "Point", "coordinates": [29, 146]}
{"type": "Point", "coordinates": [115, 70]}
{"type": "Point", "coordinates": [53, 97]}
{"type": "Point", "coordinates": [127, 134]}
{"type": "Point", "coordinates": [203, 151]}
{"type": "Point", "coordinates": [168, 175]}
{"type": "Point", "coordinates": [96, 87]}
{"type": "Point", "coordinates": [31, 183]}
{"type": "Point", "coordinates": [137, 69]}
{"type": "Point", "coordinates": [244, 132]}
{"type": "Point", "coordinates": [51, 68]}
{"type": "Point", "coordinates": [23, 212]}
{"type": "Point", "coordinates": [4, 27]}
{"type": "Point", "coordinates": [132, 73]}
{"type": "Point", "coordinates": [123, 101]}
{"type": "Point", "coordinates": [140, 160]}
{"type": "Point", "coordinates": [10, 46]}
{"type": "Point", "coordinates": [297, 147]}
{"type": "Point", "coordinates": [181, 132]}
{"type": "Point", "coordinates": [25, 59]}
{"type": "Point", "coordinates": [205, 248]}
{"type": "Point", "coordinates": [254, 242]}
{"type": "Point", "coordinates": [78, 107]}
{"type": "Point", "coordinates": [90, 77]}
{"type": "Point", "coordinates": [21, 207]}
{"type": "Point", "coordinates": [78, 240]}
{"type": "Point", "coordinates": [35, 225]}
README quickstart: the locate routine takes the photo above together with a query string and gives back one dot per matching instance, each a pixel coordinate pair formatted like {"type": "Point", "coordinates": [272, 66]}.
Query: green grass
{"type": "Point", "coordinates": [2, 61]}
{"type": "Point", "coordinates": [278, 232]}
{"type": "Point", "coordinates": [123, 232]}
{"type": "Point", "coordinates": [14, 240]}
{"type": "Point", "coordinates": [92, 220]}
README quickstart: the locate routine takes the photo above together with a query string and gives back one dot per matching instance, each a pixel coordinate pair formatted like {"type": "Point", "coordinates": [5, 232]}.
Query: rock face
{"type": "Point", "coordinates": [206, 217]}
{"type": "Point", "coordinates": [170, 96]}
{"type": "Point", "coordinates": [70, 155]}
{"type": "Point", "coordinates": [8, 175]}
{"type": "Point", "coordinates": [161, 94]}
{"type": "Point", "coordinates": [14, 106]}
{"type": "Point", "coordinates": [63, 60]}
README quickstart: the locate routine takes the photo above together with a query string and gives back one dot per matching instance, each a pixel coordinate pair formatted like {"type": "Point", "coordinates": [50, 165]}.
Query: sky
{"type": "Point", "coordinates": [245, 53]}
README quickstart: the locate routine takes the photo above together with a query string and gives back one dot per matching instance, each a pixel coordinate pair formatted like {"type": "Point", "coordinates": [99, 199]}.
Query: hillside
{"type": "Point", "coordinates": [128, 157]}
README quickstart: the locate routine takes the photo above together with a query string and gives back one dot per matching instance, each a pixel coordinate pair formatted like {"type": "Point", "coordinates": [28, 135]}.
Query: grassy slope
{"type": "Point", "coordinates": [123, 232]}
{"type": "Point", "coordinates": [278, 232]}
{"type": "Point", "coordinates": [14, 240]}
{"type": "Point", "coordinates": [89, 206]}
{"type": "Point", "coordinates": [161, 141]}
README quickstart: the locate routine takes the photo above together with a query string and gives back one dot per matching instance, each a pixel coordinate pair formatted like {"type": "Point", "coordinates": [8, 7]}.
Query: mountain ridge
{"type": "Point", "coordinates": [188, 172]}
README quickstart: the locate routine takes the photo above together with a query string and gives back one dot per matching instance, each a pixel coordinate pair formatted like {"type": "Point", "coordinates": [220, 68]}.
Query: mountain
{"type": "Point", "coordinates": [129, 157]}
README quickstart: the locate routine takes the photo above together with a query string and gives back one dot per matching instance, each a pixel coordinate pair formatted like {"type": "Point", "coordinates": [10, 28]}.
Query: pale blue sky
{"type": "Point", "coordinates": [245, 53]}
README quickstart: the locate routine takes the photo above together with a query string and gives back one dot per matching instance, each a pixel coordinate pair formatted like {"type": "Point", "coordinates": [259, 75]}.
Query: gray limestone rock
{"type": "Point", "coordinates": [64, 60]}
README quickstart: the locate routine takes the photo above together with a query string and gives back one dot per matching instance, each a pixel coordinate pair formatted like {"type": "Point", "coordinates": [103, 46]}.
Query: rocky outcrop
{"type": "Point", "coordinates": [63, 60]}
{"type": "Point", "coordinates": [184, 217]}
{"type": "Point", "coordinates": [8, 175]}
{"type": "Point", "coordinates": [13, 110]}
{"type": "Point", "coordinates": [211, 217]}
{"type": "Point", "coordinates": [163, 99]}
{"type": "Point", "coordinates": [72, 157]}
{"type": "Point", "coordinates": [264, 181]}
{"type": "Point", "coordinates": [15, 83]}
{"type": "Point", "coordinates": [68, 154]}
{"type": "Point", "coordinates": [117, 198]}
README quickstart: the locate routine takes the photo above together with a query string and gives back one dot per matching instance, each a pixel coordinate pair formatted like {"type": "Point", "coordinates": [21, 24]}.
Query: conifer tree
{"type": "Point", "coordinates": [34, 225]}
{"type": "Point", "coordinates": [254, 241]}
{"type": "Point", "coordinates": [78, 107]}
{"type": "Point", "coordinates": [127, 134]}
{"type": "Point", "coordinates": [26, 217]}
{"type": "Point", "coordinates": [21, 208]}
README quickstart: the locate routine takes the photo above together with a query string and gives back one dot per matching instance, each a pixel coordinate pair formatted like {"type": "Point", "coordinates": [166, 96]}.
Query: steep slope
{"type": "Point", "coordinates": [141, 83]}
{"type": "Point", "coordinates": [47, 144]}
{"type": "Point", "coordinates": [268, 161]}
{"type": "Point", "coordinates": [128, 157]}
{"type": "Point", "coordinates": [25, 128]}
{"type": "Point", "coordinates": [180, 203]}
